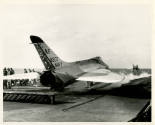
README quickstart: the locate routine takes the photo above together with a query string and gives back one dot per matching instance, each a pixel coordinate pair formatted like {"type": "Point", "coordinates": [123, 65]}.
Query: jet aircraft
{"type": "Point", "coordinates": [59, 74]}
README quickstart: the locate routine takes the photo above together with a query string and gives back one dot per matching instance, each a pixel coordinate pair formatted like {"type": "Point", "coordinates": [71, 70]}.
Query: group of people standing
{"type": "Point", "coordinates": [136, 70]}
{"type": "Point", "coordinates": [8, 71]}
{"type": "Point", "coordinates": [28, 70]}
{"type": "Point", "coordinates": [8, 84]}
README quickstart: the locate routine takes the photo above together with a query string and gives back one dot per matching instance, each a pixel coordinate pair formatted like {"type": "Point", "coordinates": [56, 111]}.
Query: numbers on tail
{"type": "Point", "coordinates": [54, 59]}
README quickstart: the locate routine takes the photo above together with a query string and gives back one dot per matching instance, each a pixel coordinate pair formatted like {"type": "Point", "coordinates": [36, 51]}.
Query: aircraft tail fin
{"type": "Point", "coordinates": [50, 60]}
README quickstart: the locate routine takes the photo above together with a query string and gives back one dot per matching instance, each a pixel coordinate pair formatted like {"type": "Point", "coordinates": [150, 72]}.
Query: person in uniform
{"type": "Point", "coordinates": [4, 72]}
{"type": "Point", "coordinates": [25, 71]}
{"type": "Point", "coordinates": [8, 84]}
{"type": "Point", "coordinates": [8, 71]}
{"type": "Point", "coordinates": [4, 84]}
{"type": "Point", "coordinates": [12, 71]}
{"type": "Point", "coordinates": [29, 70]}
{"type": "Point", "coordinates": [5, 81]}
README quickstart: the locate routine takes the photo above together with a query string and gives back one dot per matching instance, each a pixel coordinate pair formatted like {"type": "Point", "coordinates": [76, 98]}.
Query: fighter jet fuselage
{"type": "Point", "coordinates": [61, 77]}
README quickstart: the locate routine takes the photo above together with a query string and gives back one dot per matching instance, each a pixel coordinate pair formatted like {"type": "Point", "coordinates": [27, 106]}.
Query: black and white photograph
{"type": "Point", "coordinates": [76, 61]}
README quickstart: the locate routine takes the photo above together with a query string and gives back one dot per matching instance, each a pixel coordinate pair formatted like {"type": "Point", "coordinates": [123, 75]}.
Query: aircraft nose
{"type": "Point", "coordinates": [36, 39]}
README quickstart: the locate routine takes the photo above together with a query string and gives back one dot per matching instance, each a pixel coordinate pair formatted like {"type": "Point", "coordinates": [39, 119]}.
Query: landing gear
{"type": "Point", "coordinates": [89, 84]}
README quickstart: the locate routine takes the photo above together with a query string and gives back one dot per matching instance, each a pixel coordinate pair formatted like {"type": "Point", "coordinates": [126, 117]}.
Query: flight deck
{"type": "Point", "coordinates": [75, 104]}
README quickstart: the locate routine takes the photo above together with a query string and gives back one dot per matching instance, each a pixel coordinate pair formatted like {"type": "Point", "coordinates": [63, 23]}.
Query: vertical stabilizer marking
{"type": "Point", "coordinates": [50, 60]}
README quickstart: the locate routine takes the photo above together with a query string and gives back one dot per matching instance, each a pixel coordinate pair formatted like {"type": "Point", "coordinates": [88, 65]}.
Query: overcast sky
{"type": "Point", "coordinates": [120, 34]}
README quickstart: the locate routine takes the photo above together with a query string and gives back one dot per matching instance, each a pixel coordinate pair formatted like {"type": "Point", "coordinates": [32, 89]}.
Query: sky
{"type": "Point", "coordinates": [119, 33]}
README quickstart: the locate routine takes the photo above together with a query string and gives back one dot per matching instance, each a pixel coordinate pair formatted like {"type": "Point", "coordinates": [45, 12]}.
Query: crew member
{"type": "Point", "coordinates": [12, 71]}
{"type": "Point", "coordinates": [29, 70]}
{"type": "Point", "coordinates": [4, 71]}
{"type": "Point", "coordinates": [8, 71]}
{"type": "Point", "coordinates": [25, 71]}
